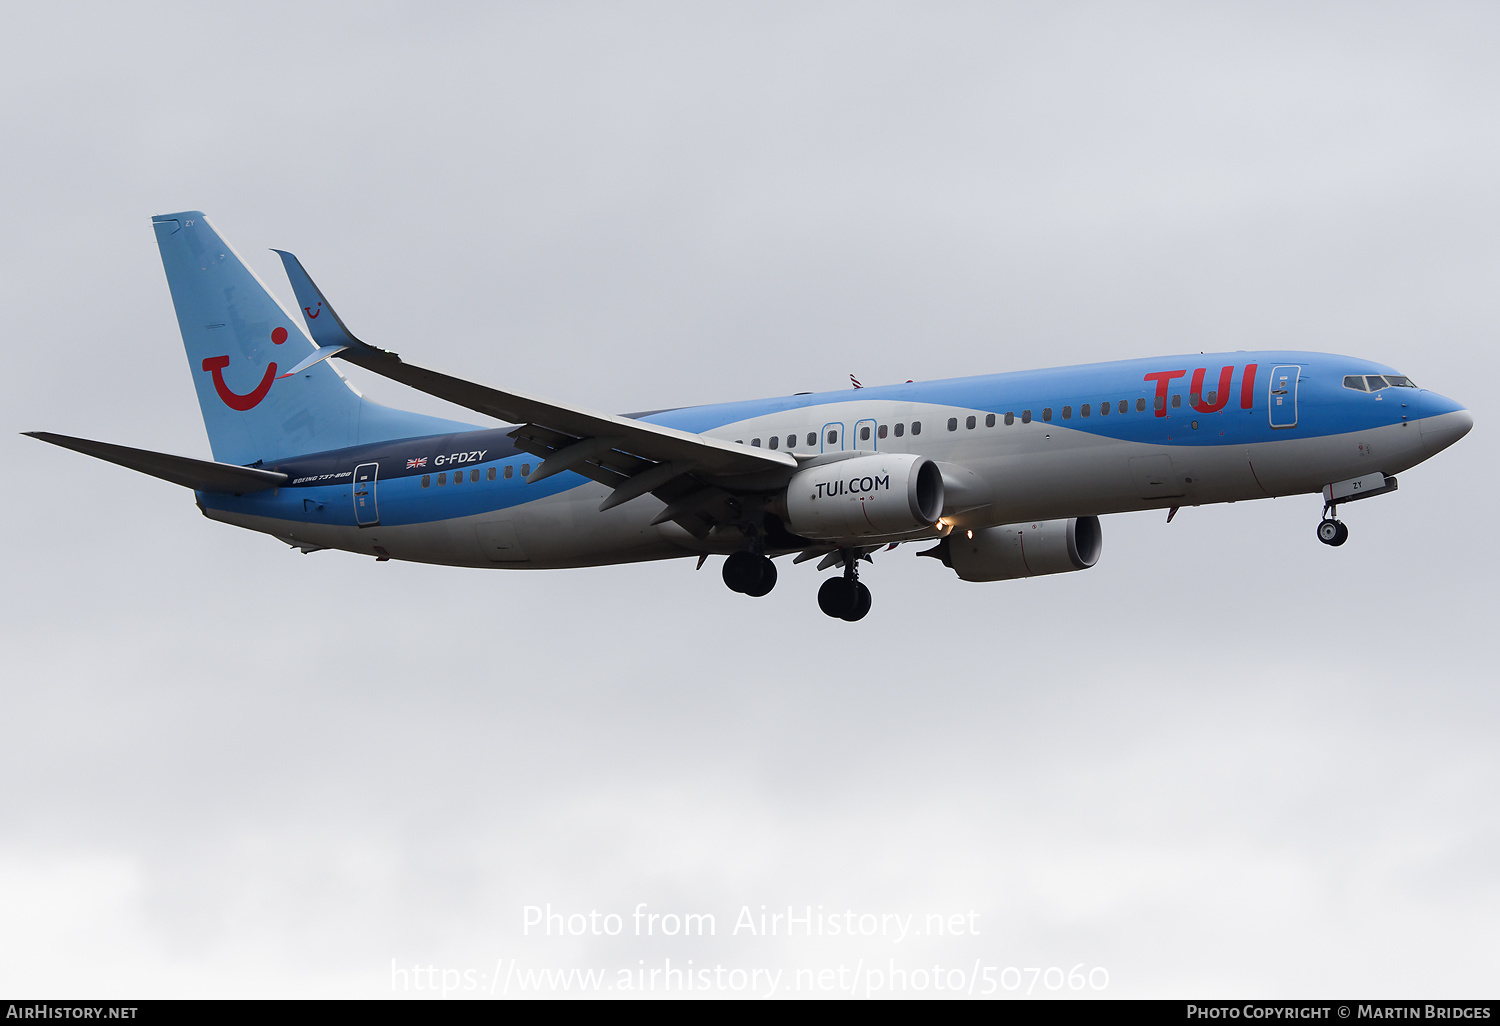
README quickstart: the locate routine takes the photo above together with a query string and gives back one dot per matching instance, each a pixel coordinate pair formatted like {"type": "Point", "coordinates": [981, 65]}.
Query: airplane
{"type": "Point", "coordinates": [1005, 475]}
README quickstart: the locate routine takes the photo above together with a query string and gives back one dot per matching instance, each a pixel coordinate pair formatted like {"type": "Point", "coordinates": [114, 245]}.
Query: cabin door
{"type": "Point", "coordinates": [1283, 397]}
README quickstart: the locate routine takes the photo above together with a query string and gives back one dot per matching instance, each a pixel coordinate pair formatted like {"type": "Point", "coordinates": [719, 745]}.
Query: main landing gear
{"type": "Point", "coordinates": [749, 574]}
{"type": "Point", "coordinates": [845, 598]}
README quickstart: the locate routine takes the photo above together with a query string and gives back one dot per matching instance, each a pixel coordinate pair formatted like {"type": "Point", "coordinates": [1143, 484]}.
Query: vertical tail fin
{"type": "Point", "coordinates": [239, 338]}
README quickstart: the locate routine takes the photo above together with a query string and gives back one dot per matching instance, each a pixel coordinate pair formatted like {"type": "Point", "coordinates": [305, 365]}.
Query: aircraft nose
{"type": "Point", "coordinates": [1443, 422]}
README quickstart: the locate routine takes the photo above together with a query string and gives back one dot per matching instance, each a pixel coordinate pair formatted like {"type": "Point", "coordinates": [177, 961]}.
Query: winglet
{"type": "Point", "coordinates": [323, 324]}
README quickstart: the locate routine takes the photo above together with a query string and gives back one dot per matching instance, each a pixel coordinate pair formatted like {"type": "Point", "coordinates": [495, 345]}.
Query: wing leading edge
{"type": "Point", "coordinates": [693, 474]}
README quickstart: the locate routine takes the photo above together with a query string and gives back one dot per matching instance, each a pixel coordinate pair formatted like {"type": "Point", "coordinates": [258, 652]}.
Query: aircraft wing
{"type": "Point", "coordinates": [630, 456]}
{"type": "Point", "coordinates": [201, 475]}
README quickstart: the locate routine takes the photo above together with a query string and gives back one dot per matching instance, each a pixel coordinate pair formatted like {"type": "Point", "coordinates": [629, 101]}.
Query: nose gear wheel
{"type": "Point", "coordinates": [1332, 532]}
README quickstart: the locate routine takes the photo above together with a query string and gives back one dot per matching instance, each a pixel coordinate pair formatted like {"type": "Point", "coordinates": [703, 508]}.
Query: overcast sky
{"type": "Point", "coordinates": [1226, 761]}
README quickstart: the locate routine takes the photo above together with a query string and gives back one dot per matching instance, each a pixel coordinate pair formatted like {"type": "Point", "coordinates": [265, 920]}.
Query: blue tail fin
{"type": "Point", "coordinates": [239, 339]}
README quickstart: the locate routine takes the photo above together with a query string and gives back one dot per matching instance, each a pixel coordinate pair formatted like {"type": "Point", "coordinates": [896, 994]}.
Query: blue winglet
{"type": "Point", "coordinates": [325, 326]}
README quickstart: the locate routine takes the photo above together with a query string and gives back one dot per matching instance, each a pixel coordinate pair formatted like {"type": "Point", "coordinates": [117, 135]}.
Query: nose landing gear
{"type": "Point", "coordinates": [1331, 530]}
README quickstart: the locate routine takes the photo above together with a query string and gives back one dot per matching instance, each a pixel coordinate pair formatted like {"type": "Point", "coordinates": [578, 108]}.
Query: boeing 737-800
{"type": "Point", "coordinates": [1005, 475]}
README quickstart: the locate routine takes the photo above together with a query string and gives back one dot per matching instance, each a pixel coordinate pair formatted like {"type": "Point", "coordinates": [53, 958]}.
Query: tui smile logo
{"type": "Point", "coordinates": [215, 365]}
{"type": "Point", "coordinates": [312, 314]}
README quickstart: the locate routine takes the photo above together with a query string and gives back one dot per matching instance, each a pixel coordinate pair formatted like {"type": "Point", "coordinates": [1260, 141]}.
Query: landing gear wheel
{"type": "Point", "coordinates": [844, 598]}
{"type": "Point", "coordinates": [749, 574]}
{"type": "Point", "coordinates": [861, 603]}
{"type": "Point", "coordinates": [838, 597]}
{"type": "Point", "coordinates": [740, 571]}
{"type": "Point", "coordinates": [767, 579]}
{"type": "Point", "coordinates": [1332, 532]}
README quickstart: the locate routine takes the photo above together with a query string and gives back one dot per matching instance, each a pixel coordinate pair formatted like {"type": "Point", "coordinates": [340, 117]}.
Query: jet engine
{"type": "Point", "coordinates": [1021, 550]}
{"type": "Point", "coordinates": [865, 496]}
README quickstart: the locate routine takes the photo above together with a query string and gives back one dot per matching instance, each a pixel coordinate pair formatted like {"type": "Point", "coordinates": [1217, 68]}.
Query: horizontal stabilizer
{"type": "Point", "coordinates": [200, 475]}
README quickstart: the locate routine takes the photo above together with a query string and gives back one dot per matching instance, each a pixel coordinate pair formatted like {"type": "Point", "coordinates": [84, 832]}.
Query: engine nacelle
{"type": "Point", "coordinates": [865, 496]}
{"type": "Point", "coordinates": [1022, 550]}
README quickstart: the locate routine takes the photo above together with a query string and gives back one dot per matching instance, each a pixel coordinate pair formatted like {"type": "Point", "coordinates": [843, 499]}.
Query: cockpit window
{"type": "Point", "coordinates": [1375, 382]}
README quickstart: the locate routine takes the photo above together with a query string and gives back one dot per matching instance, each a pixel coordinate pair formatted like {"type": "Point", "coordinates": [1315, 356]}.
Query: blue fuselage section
{"type": "Point", "coordinates": [1187, 407]}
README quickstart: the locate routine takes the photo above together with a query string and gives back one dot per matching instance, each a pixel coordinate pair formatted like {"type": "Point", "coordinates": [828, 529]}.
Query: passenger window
{"type": "Point", "coordinates": [443, 478]}
{"type": "Point", "coordinates": [969, 423]}
{"type": "Point", "coordinates": [916, 427]}
{"type": "Point", "coordinates": [473, 475]}
{"type": "Point", "coordinates": [426, 480]}
{"type": "Point", "coordinates": [1083, 410]}
{"type": "Point", "coordinates": [864, 434]}
{"type": "Point", "coordinates": [1124, 405]}
{"type": "Point", "coordinates": [509, 471]}
{"type": "Point", "coordinates": [812, 438]}
{"type": "Point", "coordinates": [1159, 403]}
{"type": "Point", "coordinates": [1067, 413]}
{"type": "Point", "coordinates": [1104, 409]}
{"type": "Point", "coordinates": [1177, 401]}
{"type": "Point", "coordinates": [952, 423]}
{"type": "Point", "coordinates": [900, 430]}
{"type": "Point", "coordinates": [755, 442]}
{"type": "Point", "coordinates": [775, 441]}
{"type": "Point", "coordinates": [1010, 418]}
{"type": "Point", "coordinates": [1047, 413]}
{"type": "Point", "coordinates": [490, 473]}
{"type": "Point", "coordinates": [458, 477]}
{"type": "Point", "coordinates": [525, 469]}
{"type": "Point", "coordinates": [791, 441]}
{"type": "Point", "coordinates": [1025, 416]}
{"type": "Point", "coordinates": [989, 420]}
{"type": "Point", "coordinates": [833, 437]}
{"type": "Point", "coordinates": [1140, 405]}
{"type": "Point", "coordinates": [881, 432]}
{"type": "Point", "coordinates": [1212, 397]}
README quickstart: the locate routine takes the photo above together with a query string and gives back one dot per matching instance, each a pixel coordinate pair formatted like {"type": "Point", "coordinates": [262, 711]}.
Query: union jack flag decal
{"type": "Point", "coordinates": [414, 464]}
